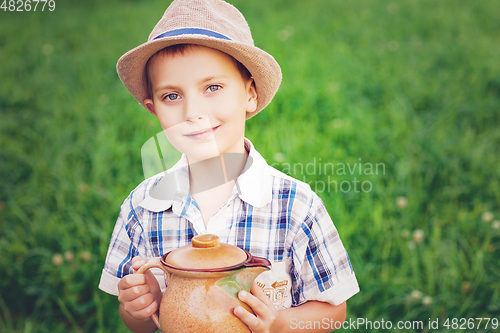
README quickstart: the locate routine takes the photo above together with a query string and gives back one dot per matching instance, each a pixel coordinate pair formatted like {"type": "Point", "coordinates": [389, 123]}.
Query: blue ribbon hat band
{"type": "Point", "coordinates": [191, 31]}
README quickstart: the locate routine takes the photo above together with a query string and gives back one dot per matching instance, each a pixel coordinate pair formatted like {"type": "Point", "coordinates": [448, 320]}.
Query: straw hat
{"type": "Point", "coordinates": [211, 23]}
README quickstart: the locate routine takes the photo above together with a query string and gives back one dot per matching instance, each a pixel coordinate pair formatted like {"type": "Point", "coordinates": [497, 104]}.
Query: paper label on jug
{"type": "Point", "coordinates": [277, 284]}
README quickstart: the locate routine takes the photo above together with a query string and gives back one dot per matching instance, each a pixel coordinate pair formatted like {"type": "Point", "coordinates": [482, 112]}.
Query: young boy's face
{"type": "Point", "coordinates": [201, 100]}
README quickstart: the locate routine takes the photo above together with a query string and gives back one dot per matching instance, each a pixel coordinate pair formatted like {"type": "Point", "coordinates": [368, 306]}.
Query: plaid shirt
{"type": "Point", "coordinates": [269, 214]}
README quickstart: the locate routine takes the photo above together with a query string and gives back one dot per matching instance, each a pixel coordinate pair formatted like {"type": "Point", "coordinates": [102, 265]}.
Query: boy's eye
{"type": "Point", "coordinates": [171, 97]}
{"type": "Point", "coordinates": [213, 87]}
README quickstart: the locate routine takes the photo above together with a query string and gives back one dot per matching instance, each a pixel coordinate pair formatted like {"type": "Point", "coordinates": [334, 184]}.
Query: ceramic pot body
{"type": "Point", "coordinates": [203, 300]}
{"type": "Point", "coordinates": [200, 304]}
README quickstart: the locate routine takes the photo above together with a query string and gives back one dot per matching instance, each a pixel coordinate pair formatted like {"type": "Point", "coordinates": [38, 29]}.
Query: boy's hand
{"type": "Point", "coordinates": [266, 318]}
{"type": "Point", "coordinates": [139, 294]}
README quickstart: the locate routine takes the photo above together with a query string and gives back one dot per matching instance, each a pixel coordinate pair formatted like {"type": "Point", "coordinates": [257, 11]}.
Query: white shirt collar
{"type": "Point", "coordinates": [254, 185]}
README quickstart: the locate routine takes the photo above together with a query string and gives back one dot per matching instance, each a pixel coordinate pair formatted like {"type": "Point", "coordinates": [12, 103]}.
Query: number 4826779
{"type": "Point", "coordinates": [27, 5]}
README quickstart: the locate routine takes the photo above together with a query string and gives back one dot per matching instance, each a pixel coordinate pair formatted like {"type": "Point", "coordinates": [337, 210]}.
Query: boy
{"type": "Point", "coordinates": [201, 75]}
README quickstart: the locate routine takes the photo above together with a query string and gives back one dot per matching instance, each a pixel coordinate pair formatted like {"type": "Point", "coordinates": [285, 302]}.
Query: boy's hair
{"type": "Point", "coordinates": [181, 49]}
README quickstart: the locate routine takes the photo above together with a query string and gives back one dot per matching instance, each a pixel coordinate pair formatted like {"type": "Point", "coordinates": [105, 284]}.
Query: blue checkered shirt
{"type": "Point", "coordinates": [269, 214]}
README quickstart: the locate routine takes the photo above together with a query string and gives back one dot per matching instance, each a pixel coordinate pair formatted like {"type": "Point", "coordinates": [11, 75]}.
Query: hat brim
{"type": "Point", "coordinates": [266, 72]}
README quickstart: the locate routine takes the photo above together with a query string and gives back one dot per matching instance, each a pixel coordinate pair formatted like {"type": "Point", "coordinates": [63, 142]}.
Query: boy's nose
{"type": "Point", "coordinates": [192, 111]}
{"type": "Point", "coordinates": [192, 119]}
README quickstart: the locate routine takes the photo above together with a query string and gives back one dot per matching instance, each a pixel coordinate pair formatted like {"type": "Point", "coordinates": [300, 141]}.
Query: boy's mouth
{"type": "Point", "coordinates": [202, 134]}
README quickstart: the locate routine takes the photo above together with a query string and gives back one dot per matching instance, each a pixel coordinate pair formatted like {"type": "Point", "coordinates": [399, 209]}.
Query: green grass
{"type": "Point", "coordinates": [413, 85]}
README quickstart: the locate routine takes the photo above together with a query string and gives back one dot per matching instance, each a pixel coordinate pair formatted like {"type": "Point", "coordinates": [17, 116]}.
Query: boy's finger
{"type": "Point", "coordinates": [258, 307]}
{"type": "Point", "coordinates": [141, 307]}
{"type": "Point", "coordinates": [148, 311]}
{"type": "Point", "coordinates": [246, 317]}
{"type": "Point", "coordinates": [133, 293]}
{"type": "Point", "coordinates": [259, 293]}
{"type": "Point", "coordinates": [137, 262]}
{"type": "Point", "coordinates": [131, 280]}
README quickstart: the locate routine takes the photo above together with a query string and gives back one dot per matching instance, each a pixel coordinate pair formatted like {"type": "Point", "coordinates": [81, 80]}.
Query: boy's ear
{"type": "Point", "coordinates": [148, 103]}
{"type": "Point", "coordinates": [252, 96]}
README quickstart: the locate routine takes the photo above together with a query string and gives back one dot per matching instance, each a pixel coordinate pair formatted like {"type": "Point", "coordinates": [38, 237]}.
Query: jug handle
{"type": "Point", "coordinates": [153, 263]}
{"type": "Point", "coordinates": [259, 262]}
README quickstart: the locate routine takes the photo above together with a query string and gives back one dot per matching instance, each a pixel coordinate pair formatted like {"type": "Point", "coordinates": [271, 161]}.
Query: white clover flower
{"type": "Point", "coordinates": [418, 236]}
{"type": "Point", "coordinates": [57, 259]}
{"type": "Point", "coordinates": [286, 33]}
{"type": "Point", "coordinates": [401, 202]}
{"type": "Point", "coordinates": [69, 256]}
{"type": "Point", "coordinates": [86, 255]}
{"type": "Point", "coordinates": [427, 300]}
{"type": "Point", "coordinates": [279, 157]}
{"type": "Point", "coordinates": [487, 217]}
{"type": "Point", "coordinates": [416, 295]}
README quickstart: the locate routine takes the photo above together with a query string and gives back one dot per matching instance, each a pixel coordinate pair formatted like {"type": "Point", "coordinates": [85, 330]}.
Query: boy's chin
{"type": "Point", "coordinates": [201, 153]}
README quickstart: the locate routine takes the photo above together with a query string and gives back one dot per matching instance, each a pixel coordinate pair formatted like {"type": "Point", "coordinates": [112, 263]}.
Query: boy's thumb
{"type": "Point", "coordinates": [137, 262]}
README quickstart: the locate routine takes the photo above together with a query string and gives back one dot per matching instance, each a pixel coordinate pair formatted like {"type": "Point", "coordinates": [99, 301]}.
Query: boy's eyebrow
{"type": "Point", "coordinates": [165, 87]}
{"type": "Point", "coordinates": [210, 78]}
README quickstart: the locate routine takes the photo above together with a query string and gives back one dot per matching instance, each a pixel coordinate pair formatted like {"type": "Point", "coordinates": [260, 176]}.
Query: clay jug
{"type": "Point", "coordinates": [203, 280]}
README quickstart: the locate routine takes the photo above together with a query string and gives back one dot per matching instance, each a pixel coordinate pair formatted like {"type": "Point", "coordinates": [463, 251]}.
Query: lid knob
{"type": "Point", "coordinates": [205, 252]}
{"type": "Point", "coordinates": [204, 241]}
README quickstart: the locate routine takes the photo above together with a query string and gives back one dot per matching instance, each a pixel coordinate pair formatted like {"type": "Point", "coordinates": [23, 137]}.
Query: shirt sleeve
{"type": "Point", "coordinates": [124, 245]}
{"type": "Point", "coordinates": [321, 267]}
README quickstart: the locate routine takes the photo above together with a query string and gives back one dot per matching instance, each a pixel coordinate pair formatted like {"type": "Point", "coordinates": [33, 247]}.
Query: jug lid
{"type": "Point", "coordinates": [206, 252]}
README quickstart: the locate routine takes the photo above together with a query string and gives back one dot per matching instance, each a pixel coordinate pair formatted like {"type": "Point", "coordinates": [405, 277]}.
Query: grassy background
{"type": "Point", "coordinates": [414, 85]}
